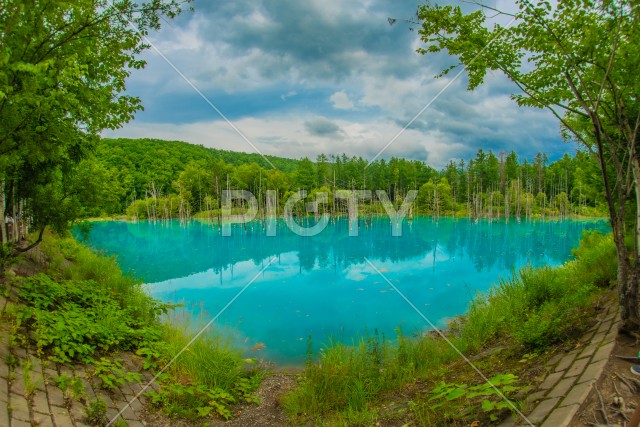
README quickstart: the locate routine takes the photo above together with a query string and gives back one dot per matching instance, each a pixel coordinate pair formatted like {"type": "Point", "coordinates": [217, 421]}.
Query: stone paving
{"type": "Point", "coordinates": [571, 376]}
{"type": "Point", "coordinates": [29, 395]}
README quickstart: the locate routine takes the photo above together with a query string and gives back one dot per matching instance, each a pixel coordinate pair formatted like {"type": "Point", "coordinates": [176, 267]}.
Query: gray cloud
{"type": "Point", "coordinates": [321, 126]}
{"type": "Point", "coordinates": [313, 39]}
{"type": "Point", "coordinates": [249, 56]}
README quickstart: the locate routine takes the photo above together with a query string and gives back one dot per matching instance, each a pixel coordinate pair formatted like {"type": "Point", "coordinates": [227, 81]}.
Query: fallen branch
{"type": "Point", "coordinates": [633, 359]}
{"type": "Point", "coordinates": [625, 382]}
{"type": "Point", "coordinates": [603, 408]}
{"type": "Point", "coordinates": [622, 414]}
{"type": "Point", "coordinates": [633, 381]}
{"type": "Point", "coordinates": [616, 387]}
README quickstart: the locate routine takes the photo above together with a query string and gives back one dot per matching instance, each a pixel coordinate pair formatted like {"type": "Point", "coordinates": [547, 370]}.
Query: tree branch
{"type": "Point", "coordinates": [18, 250]}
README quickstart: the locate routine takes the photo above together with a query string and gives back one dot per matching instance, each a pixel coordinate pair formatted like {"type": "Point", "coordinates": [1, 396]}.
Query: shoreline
{"type": "Point", "coordinates": [547, 218]}
{"type": "Point", "coordinates": [351, 352]}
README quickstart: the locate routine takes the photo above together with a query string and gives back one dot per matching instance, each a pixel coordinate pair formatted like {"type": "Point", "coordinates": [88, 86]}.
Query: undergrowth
{"type": "Point", "coordinates": [83, 309]}
{"type": "Point", "coordinates": [528, 312]}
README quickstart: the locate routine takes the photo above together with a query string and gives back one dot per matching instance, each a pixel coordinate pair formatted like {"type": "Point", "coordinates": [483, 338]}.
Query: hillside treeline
{"type": "Point", "coordinates": [166, 179]}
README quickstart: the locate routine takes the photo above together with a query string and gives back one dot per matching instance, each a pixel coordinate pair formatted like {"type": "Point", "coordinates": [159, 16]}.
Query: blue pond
{"type": "Point", "coordinates": [323, 285]}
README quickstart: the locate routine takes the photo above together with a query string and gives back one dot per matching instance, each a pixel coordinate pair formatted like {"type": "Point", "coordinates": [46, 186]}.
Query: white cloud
{"type": "Point", "coordinates": [341, 101]}
{"type": "Point", "coordinates": [289, 136]}
{"type": "Point", "coordinates": [289, 94]}
{"type": "Point", "coordinates": [350, 81]}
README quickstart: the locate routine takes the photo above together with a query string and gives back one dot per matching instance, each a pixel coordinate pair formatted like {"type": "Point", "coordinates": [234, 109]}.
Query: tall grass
{"type": "Point", "coordinates": [211, 359]}
{"type": "Point", "coordinates": [539, 306]}
{"type": "Point", "coordinates": [531, 310]}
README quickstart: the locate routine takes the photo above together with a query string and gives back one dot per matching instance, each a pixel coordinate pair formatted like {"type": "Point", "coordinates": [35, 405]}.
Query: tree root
{"type": "Point", "coordinates": [603, 408]}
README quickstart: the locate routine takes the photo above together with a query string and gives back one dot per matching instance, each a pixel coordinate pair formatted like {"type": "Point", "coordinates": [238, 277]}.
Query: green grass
{"type": "Point", "coordinates": [532, 310]}
{"type": "Point", "coordinates": [208, 377]}
{"type": "Point", "coordinates": [211, 358]}
{"type": "Point", "coordinates": [83, 309]}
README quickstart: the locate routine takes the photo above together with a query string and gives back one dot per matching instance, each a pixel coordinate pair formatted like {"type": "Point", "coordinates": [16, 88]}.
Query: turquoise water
{"type": "Point", "coordinates": [323, 285]}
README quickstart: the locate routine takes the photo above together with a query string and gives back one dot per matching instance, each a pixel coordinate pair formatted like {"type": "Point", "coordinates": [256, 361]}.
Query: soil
{"type": "Point", "coordinates": [266, 414]}
{"type": "Point", "coordinates": [617, 392]}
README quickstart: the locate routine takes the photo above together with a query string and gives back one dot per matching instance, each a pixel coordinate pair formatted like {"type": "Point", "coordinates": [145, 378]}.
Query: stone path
{"type": "Point", "coordinates": [29, 395]}
{"type": "Point", "coordinates": [571, 376]}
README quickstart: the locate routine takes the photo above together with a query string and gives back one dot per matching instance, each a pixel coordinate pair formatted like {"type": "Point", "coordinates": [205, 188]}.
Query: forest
{"type": "Point", "coordinates": [156, 179]}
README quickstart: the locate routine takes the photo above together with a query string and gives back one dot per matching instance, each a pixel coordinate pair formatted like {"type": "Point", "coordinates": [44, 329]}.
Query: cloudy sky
{"type": "Point", "coordinates": [299, 78]}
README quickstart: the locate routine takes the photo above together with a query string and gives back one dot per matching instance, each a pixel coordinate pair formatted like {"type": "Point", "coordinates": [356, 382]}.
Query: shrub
{"type": "Point", "coordinates": [73, 319]}
{"type": "Point", "coordinates": [596, 256]}
{"type": "Point", "coordinates": [69, 260]}
{"type": "Point", "coordinates": [96, 412]}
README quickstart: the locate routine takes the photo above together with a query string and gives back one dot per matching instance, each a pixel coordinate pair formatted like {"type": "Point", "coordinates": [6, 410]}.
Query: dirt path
{"type": "Point", "coordinates": [268, 412]}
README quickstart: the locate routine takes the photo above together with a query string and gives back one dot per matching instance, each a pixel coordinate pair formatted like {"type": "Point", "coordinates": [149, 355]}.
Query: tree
{"type": "Point", "coordinates": [578, 59]}
{"type": "Point", "coordinates": [305, 177]}
{"type": "Point", "coordinates": [540, 162]}
{"type": "Point", "coordinates": [426, 196]}
{"type": "Point", "coordinates": [194, 184]}
{"type": "Point", "coordinates": [277, 181]}
{"type": "Point", "coordinates": [323, 169]}
{"type": "Point", "coordinates": [80, 192]}
{"type": "Point", "coordinates": [511, 166]}
{"type": "Point", "coordinates": [443, 189]}
{"type": "Point", "coordinates": [63, 66]}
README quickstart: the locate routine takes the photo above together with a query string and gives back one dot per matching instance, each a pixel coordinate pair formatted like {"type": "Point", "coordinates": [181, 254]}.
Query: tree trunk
{"type": "Point", "coordinates": [14, 224]}
{"type": "Point", "coordinates": [636, 180]}
{"type": "Point", "coordinates": [18, 250]}
{"type": "Point", "coordinates": [3, 227]}
{"type": "Point", "coordinates": [628, 275]}
{"type": "Point", "coordinates": [628, 271]}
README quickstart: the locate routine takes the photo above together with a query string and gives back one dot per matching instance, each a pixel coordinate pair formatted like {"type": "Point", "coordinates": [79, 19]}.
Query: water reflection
{"type": "Point", "coordinates": [322, 285]}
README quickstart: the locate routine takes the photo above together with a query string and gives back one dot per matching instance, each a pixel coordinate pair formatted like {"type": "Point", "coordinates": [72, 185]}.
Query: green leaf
{"type": "Point", "coordinates": [488, 406]}
{"type": "Point", "coordinates": [454, 394]}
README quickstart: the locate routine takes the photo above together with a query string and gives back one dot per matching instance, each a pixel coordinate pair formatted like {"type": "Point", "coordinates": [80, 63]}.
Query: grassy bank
{"type": "Point", "coordinates": [72, 305]}
{"type": "Point", "coordinates": [514, 323]}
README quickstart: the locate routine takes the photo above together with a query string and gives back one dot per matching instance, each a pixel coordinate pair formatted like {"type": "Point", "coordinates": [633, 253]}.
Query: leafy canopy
{"type": "Point", "coordinates": [63, 67]}
{"type": "Point", "coordinates": [578, 59]}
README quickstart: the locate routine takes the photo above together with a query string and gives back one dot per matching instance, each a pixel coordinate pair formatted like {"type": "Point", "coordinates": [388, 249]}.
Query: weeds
{"type": "Point", "coordinates": [71, 320]}
{"type": "Point", "coordinates": [456, 401]}
{"type": "Point", "coordinates": [219, 376]}
{"type": "Point", "coordinates": [30, 385]}
{"type": "Point", "coordinates": [113, 374]}
{"type": "Point", "coordinates": [84, 309]}
{"type": "Point", "coordinates": [530, 311]}
{"type": "Point", "coordinates": [193, 401]}
{"type": "Point", "coordinates": [96, 412]}
{"type": "Point", "coordinates": [12, 361]}
{"type": "Point", "coordinates": [71, 387]}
